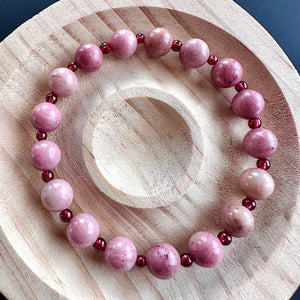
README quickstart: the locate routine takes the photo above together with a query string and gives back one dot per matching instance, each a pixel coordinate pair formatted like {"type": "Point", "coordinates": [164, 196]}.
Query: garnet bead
{"type": "Point", "coordinates": [249, 203]}
{"type": "Point", "coordinates": [47, 176]}
{"type": "Point", "coordinates": [72, 66]}
{"type": "Point", "coordinates": [41, 135]}
{"type": "Point", "coordinates": [51, 98]}
{"type": "Point", "coordinates": [225, 238]}
{"type": "Point", "coordinates": [185, 260]}
{"type": "Point", "coordinates": [212, 59]}
{"type": "Point", "coordinates": [140, 37]}
{"type": "Point", "coordinates": [263, 163]}
{"type": "Point", "coordinates": [100, 244]}
{"type": "Point", "coordinates": [141, 261]}
{"type": "Point", "coordinates": [65, 215]}
{"type": "Point", "coordinates": [176, 45]}
{"type": "Point", "coordinates": [105, 48]}
{"type": "Point", "coordinates": [242, 85]}
{"type": "Point", "coordinates": [254, 123]}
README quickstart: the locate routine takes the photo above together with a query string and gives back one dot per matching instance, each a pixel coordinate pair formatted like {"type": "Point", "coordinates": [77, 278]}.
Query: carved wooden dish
{"type": "Point", "coordinates": [151, 149]}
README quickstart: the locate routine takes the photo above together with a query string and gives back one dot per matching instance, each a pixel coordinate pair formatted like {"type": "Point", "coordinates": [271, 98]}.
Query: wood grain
{"type": "Point", "coordinates": [151, 149]}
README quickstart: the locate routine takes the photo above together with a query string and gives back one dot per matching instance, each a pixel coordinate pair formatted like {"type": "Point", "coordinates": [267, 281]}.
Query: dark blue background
{"type": "Point", "coordinates": [280, 17]}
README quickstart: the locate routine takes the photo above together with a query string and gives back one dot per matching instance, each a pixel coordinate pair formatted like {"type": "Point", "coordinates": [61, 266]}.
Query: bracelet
{"type": "Point", "coordinates": [162, 259]}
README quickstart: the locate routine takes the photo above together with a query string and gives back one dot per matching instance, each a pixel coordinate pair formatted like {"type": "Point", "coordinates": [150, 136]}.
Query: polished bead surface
{"type": "Point", "coordinates": [263, 163]}
{"type": "Point", "coordinates": [100, 244]}
{"type": "Point", "coordinates": [105, 48]}
{"type": "Point", "coordinates": [240, 86]}
{"type": "Point", "coordinates": [256, 184]}
{"type": "Point", "coordinates": [51, 98]}
{"type": "Point", "coordinates": [205, 249]}
{"type": "Point", "coordinates": [140, 37]}
{"type": "Point", "coordinates": [212, 59]}
{"type": "Point", "coordinates": [41, 135]}
{"type": "Point", "coordinates": [66, 215]}
{"type": "Point", "coordinates": [88, 57]}
{"type": "Point", "coordinates": [254, 123]}
{"type": "Point", "coordinates": [185, 260]}
{"type": "Point", "coordinates": [72, 66]}
{"type": "Point", "coordinates": [120, 254]}
{"type": "Point", "coordinates": [141, 261]}
{"type": "Point", "coordinates": [163, 260]}
{"type": "Point", "coordinates": [249, 203]}
{"type": "Point", "coordinates": [47, 176]}
{"type": "Point", "coordinates": [176, 45]}
{"type": "Point", "coordinates": [225, 238]}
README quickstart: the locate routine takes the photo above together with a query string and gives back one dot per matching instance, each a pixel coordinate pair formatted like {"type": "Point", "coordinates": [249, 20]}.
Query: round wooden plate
{"type": "Point", "coordinates": [151, 149]}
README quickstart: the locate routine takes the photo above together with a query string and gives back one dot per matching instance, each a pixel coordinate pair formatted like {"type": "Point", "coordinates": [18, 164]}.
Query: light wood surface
{"type": "Point", "coordinates": [151, 149]}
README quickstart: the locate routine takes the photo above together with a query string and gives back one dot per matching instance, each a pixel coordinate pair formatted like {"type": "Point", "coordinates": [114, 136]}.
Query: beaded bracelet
{"type": "Point", "coordinates": [162, 259]}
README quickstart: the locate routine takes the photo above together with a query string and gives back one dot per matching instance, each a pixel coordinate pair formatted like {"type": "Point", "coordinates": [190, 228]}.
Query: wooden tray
{"type": "Point", "coordinates": [151, 149]}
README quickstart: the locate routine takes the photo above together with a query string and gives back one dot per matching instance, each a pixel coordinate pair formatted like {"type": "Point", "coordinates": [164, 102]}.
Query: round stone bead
{"type": "Point", "coordinates": [57, 195]}
{"type": "Point", "coordinates": [158, 42]}
{"type": "Point", "coordinates": [45, 155]}
{"type": "Point", "coordinates": [226, 72]}
{"type": "Point", "coordinates": [205, 249]}
{"type": "Point", "coordinates": [194, 53]}
{"type": "Point", "coordinates": [89, 57]}
{"type": "Point", "coordinates": [120, 254]}
{"type": "Point", "coordinates": [83, 230]}
{"type": "Point", "coordinates": [45, 116]}
{"type": "Point", "coordinates": [256, 184]}
{"type": "Point", "coordinates": [237, 220]}
{"type": "Point", "coordinates": [123, 43]}
{"type": "Point", "coordinates": [248, 104]}
{"type": "Point", "coordinates": [260, 143]}
{"type": "Point", "coordinates": [62, 82]}
{"type": "Point", "coordinates": [163, 260]}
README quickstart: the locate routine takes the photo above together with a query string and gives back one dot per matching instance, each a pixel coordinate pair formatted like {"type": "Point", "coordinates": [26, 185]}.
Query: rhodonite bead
{"type": "Point", "coordinates": [256, 184]}
{"type": "Point", "coordinates": [226, 72]}
{"type": "Point", "coordinates": [205, 249]}
{"type": "Point", "coordinates": [45, 116]}
{"type": "Point", "coordinates": [158, 42]}
{"type": "Point", "coordinates": [62, 82]}
{"type": "Point", "coordinates": [194, 53]}
{"type": "Point", "coordinates": [260, 143]}
{"type": "Point", "coordinates": [237, 220]}
{"type": "Point", "coordinates": [57, 195]}
{"type": "Point", "coordinates": [88, 57]}
{"type": "Point", "coordinates": [248, 104]}
{"type": "Point", "coordinates": [120, 254]}
{"type": "Point", "coordinates": [45, 155]}
{"type": "Point", "coordinates": [123, 43]}
{"type": "Point", "coordinates": [83, 230]}
{"type": "Point", "coordinates": [163, 260]}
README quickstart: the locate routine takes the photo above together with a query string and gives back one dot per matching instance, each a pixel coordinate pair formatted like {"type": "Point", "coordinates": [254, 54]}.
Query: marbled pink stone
{"type": "Point", "coordinates": [123, 43]}
{"type": "Point", "coordinates": [120, 254]}
{"type": "Point", "coordinates": [237, 220]}
{"type": "Point", "coordinates": [226, 72]}
{"type": "Point", "coordinates": [158, 42]}
{"type": "Point", "coordinates": [248, 104]}
{"type": "Point", "coordinates": [260, 143]}
{"type": "Point", "coordinates": [45, 116]}
{"type": "Point", "coordinates": [256, 183]}
{"type": "Point", "coordinates": [205, 249]}
{"type": "Point", "coordinates": [62, 82]}
{"type": "Point", "coordinates": [45, 155]}
{"type": "Point", "coordinates": [83, 230]}
{"type": "Point", "coordinates": [194, 53]}
{"type": "Point", "coordinates": [89, 57]}
{"type": "Point", "coordinates": [163, 260]}
{"type": "Point", "coordinates": [57, 195]}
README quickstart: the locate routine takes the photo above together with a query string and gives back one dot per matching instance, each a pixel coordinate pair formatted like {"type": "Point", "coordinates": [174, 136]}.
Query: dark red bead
{"type": "Point", "coordinates": [249, 203]}
{"type": "Point", "coordinates": [263, 163]}
{"type": "Point", "coordinates": [41, 135]}
{"type": "Point", "coordinates": [65, 215]}
{"type": "Point", "coordinates": [47, 176]}
{"type": "Point", "coordinates": [242, 85]}
{"type": "Point", "coordinates": [72, 66]}
{"type": "Point", "coordinates": [185, 260]}
{"type": "Point", "coordinates": [224, 238]}
{"type": "Point", "coordinates": [51, 98]}
{"type": "Point", "coordinates": [141, 261]}
{"type": "Point", "coordinates": [254, 123]}
{"type": "Point", "coordinates": [176, 45]}
{"type": "Point", "coordinates": [212, 59]}
{"type": "Point", "coordinates": [100, 244]}
{"type": "Point", "coordinates": [105, 48]}
{"type": "Point", "coordinates": [140, 38]}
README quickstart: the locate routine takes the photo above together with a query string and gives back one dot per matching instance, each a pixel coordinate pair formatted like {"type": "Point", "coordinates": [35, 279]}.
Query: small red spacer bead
{"type": "Point", "coordinates": [47, 176]}
{"type": "Point", "coordinates": [224, 238]}
{"type": "Point", "coordinates": [51, 98]}
{"type": "Point", "coordinates": [254, 123]}
{"type": "Point", "coordinates": [65, 215]}
{"type": "Point", "coordinates": [41, 135]}
{"type": "Point", "coordinates": [105, 48]}
{"type": "Point", "coordinates": [100, 244]}
{"type": "Point", "coordinates": [140, 38]}
{"type": "Point", "coordinates": [176, 45]}
{"type": "Point", "coordinates": [185, 260]}
{"type": "Point", "coordinates": [249, 203]}
{"type": "Point", "coordinates": [212, 59]}
{"type": "Point", "coordinates": [242, 85]}
{"type": "Point", "coordinates": [263, 163]}
{"type": "Point", "coordinates": [72, 66]}
{"type": "Point", "coordinates": [141, 261]}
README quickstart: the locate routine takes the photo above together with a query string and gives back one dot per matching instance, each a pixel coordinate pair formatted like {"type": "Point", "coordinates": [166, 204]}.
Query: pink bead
{"type": "Point", "coordinates": [163, 260]}
{"type": "Point", "coordinates": [45, 155]}
{"type": "Point", "coordinates": [257, 184]}
{"type": "Point", "coordinates": [123, 43]}
{"type": "Point", "coordinates": [226, 72]}
{"type": "Point", "coordinates": [248, 104]}
{"type": "Point", "coordinates": [83, 230]}
{"type": "Point", "coordinates": [120, 254]}
{"type": "Point", "coordinates": [45, 116]}
{"type": "Point", "coordinates": [62, 82]}
{"type": "Point", "coordinates": [158, 42]}
{"type": "Point", "coordinates": [260, 143]}
{"type": "Point", "coordinates": [57, 195]}
{"type": "Point", "coordinates": [194, 53]}
{"type": "Point", "coordinates": [89, 57]}
{"type": "Point", "coordinates": [237, 220]}
{"type": "Point", "coordinates": [205, 249]}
